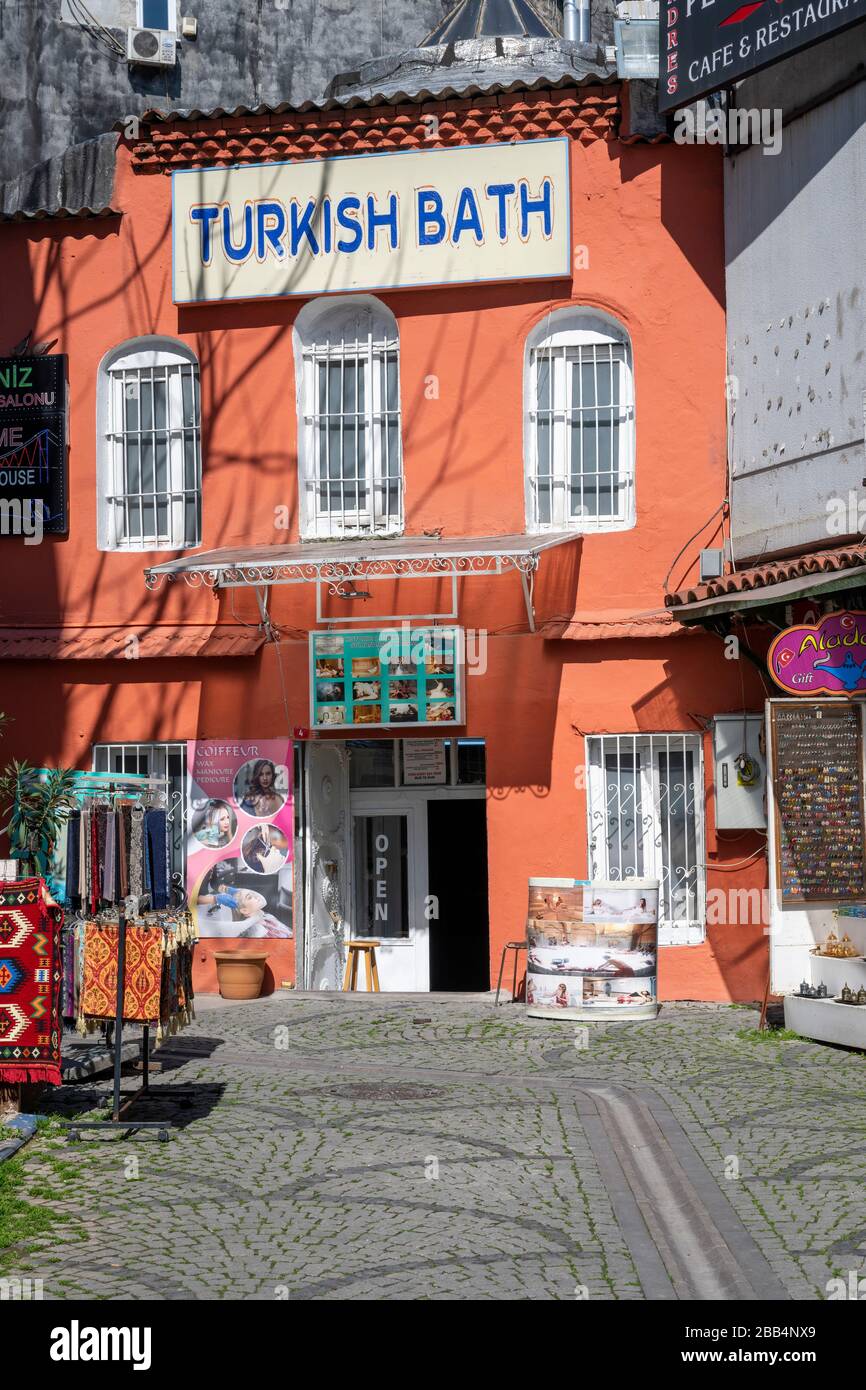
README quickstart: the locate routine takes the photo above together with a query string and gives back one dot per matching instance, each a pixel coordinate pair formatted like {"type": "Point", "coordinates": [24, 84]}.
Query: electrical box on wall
{"type": "Point", "coordinates": [740, 771]}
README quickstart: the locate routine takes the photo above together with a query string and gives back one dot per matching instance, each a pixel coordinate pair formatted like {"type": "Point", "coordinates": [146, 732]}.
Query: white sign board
{"type": "Point", "coordinates": [367, 222]}
{"type": "Point", "coordinates": [424, 762]}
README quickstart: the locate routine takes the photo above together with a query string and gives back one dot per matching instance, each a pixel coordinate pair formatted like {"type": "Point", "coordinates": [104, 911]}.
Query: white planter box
{"type": "Point", "coordinates": [827, 1021]}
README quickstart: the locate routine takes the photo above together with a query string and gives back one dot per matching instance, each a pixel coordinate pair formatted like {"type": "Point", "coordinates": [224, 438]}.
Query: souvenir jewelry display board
{"type": "Point", "coordinates": [592, 948]}
{"type": "Point", "coordinates": [389, 676]}
{"type": "Point", "coordinates": [818, 794]}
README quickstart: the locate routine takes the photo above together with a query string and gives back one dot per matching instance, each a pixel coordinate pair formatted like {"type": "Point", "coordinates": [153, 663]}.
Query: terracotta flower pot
{"type": "Point", "coordinates": [240, 974]}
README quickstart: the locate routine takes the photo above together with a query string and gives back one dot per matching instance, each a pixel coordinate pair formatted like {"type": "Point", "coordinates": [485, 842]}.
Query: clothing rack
{"type": "Point", "coordinates": [128, 784]}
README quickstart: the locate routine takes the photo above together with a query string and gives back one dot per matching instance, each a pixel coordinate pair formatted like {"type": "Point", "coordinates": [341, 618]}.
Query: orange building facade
{"type": "Point", "coordinates": [585, 748]}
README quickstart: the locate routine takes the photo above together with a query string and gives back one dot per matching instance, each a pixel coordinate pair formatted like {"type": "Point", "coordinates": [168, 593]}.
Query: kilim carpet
{"type": "Point", "coordinates": [30, 983]}
{"type": "Point", "coordinates": [142, 972]}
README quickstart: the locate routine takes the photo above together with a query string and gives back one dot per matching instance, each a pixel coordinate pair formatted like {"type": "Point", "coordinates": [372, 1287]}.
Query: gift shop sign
{"type": "Point", "coordinates": [827, 658]}
{"type": "Point", "coordinates": [366, 222]}
{"type": "Point", "coordinates": [705, 45]}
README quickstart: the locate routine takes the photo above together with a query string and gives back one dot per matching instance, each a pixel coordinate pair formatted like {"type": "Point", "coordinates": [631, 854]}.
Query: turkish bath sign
{"type": "Point", "coordinates": [365, 222]}
{"type": "Point", "coordinates": [828, 658]}
{"type": "Point", "coordinates": [33, 440]}
{"type": "Point", "coordinates": [706, 44]}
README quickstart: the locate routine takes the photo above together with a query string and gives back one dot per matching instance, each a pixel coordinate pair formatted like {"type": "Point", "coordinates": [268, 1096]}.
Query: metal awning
{"type": "Point", "coordinates": [340, 564]}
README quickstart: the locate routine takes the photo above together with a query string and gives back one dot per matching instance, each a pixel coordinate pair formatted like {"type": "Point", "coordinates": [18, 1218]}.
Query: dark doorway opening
{"type": "Point", "coordinates": [457, 877]}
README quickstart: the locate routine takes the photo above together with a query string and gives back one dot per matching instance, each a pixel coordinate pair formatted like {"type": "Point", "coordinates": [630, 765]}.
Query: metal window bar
{"type": "Point", "coordinates": [645, 818]}
{"type": "Point", "coordinates": [581, 418]}
{"type": "Point", "coordinates": [354, 480]}
{"type": "Point", "coordinates": [166, 761]}
{"type": "Point", "coordinates": [154, 444]}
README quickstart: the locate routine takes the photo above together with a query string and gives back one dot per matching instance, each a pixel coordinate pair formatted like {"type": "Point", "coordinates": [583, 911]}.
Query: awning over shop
{"type": "Point", "coordinates": [339, 564]}
{"type": "Point", "coordinates": [128, 642]}
{"type": "Point", "coordinates": [817, 573]}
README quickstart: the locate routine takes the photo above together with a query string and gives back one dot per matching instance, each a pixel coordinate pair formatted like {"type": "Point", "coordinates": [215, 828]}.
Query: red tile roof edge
{"type": "Point", "coordinates": [773, 572]}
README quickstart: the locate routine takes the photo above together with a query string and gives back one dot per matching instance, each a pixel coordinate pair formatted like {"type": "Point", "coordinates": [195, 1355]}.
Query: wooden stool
{"type": "Point", "coordinates": [369, 949]}
{"type": "Point", "coordinates": [516, 947]}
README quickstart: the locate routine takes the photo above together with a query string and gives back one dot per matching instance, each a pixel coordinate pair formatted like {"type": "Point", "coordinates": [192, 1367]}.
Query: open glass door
{"type": "Point", "coordinates": [389, 850]}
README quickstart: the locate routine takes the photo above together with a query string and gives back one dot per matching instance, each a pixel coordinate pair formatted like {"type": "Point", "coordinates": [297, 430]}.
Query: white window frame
{"type": "Point", "coordinates": [576, 329]}
{"type": "Point", "coordinates": [323, 331]}
{"type": "Point", "coordinates": [677, 927]}
{"type": "Point", "coordinates": [171, 27]}
{"type": "Point", "coordinates": [132, 357]}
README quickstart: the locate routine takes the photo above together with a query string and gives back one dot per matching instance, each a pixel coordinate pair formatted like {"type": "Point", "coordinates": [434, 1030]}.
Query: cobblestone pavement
{"type": "Point", "coordinates": [435, 1148]}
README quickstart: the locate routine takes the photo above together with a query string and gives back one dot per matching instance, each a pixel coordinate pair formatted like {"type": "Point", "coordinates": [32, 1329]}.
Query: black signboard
{"type": "Point", "coordinates": [33, 442]}
{"type": "Point", "coordinates": [705, 45]}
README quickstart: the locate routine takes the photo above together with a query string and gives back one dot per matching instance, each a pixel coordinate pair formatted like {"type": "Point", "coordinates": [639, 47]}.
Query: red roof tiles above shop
{"type": "Point", "coordinates": [809, 567]}
{"type": "Point", "coordinates": [119, 643]}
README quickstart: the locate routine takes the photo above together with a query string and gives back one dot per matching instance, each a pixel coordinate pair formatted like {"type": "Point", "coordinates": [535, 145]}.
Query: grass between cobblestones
{"type": "Point", "coordinates": [308, 1167]}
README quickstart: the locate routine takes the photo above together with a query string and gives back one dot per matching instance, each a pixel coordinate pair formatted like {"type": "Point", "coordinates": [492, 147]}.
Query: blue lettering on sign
{"type": "Point", "coordinates": [302, 227]}
{"type": "Point", "coordinates": [270, 229]}
{"type": "Point", "coordinates": [467, 218]}
{"type": "Point", "coordinates": [382, 219]}
{"type": "Point", "coordinates": [205, 215]}
{"type": "Point", "coordinates": [326, 226]}
{"type": "Point", "coordinates": [344, 207]}
{"type": "Point", "coordinates": [544, 205]}
{"type": "Point", "coordinates": [238, 253]}
{"type": "Point", "coordinates": [430, 211]}
{"type": "Point", "coordinates": [501, 191]}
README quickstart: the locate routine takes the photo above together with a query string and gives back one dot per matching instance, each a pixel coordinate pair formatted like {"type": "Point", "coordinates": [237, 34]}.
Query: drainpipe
{"type": "Point", "coordinates": [575, 20]}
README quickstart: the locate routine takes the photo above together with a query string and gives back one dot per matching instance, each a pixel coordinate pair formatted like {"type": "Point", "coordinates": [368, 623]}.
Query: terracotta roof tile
{"type": "Point", "coordinates": [815, 562]}
{"type": "Point", "coordinates": [103, 643]}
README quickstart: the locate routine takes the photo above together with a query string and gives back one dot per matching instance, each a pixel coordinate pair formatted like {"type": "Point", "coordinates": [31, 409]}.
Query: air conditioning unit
{"type": "Point", "coordinates": [153, 48]}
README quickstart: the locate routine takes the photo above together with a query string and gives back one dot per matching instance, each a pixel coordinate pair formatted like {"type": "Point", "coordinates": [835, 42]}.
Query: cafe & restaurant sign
{"type": "Point", "coordinates": [705, 45]}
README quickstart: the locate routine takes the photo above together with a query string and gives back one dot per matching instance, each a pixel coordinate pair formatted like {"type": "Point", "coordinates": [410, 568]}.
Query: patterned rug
{"type": "Point", "coordinates": [30, 984]}
{"type": "Point", "coordinates": [142, 973]}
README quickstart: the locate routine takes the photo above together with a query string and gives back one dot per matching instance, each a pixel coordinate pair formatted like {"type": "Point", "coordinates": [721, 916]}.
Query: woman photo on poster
{"type": "Point", "coordinates": [215, 826]}
{"type": "Point", "coordinates": [258, 790]}
{"type": "Point", "coordinates": [237, 902]}
{"type": "Point", "coordinates": [248, 912]}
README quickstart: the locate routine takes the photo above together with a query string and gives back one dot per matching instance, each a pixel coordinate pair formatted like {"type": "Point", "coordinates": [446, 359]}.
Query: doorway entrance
{"type": "Point", "coordinates": [404, 863]}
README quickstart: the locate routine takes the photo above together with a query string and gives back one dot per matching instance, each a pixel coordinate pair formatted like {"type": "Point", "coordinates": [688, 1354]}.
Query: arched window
{"type": "Point", "coordinates": [350, 458]}
{"type": "Point", "coordinates": [149, 447]}
{"type": "Point", "coordinates": [579, 423]}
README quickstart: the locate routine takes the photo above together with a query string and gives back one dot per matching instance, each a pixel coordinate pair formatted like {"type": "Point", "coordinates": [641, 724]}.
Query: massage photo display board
{"type": "Point", "coordinates": [592, 948]}
{"type": "Point", "coordinates": [240, 837]}
{"type": "Point", "coordinates": [818, 792]}
{"type": "Point", "coordinates": [386, 677]}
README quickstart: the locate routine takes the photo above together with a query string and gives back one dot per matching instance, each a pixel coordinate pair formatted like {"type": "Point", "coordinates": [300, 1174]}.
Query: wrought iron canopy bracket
{"type": "Point", "coordinates": [339, 578]}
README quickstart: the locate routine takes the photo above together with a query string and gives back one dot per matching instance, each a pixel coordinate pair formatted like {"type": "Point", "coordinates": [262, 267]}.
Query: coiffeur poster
{"type": "Point", "coordinates": [239, 837]}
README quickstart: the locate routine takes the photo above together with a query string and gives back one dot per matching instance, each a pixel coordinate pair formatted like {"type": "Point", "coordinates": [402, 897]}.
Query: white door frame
{"type": "Point", "coordinates": [396, 802]}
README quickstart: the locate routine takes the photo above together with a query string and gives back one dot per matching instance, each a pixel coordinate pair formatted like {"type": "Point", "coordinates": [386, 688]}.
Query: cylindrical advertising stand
{"type": "Point", "coordinates": [592, 948]}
